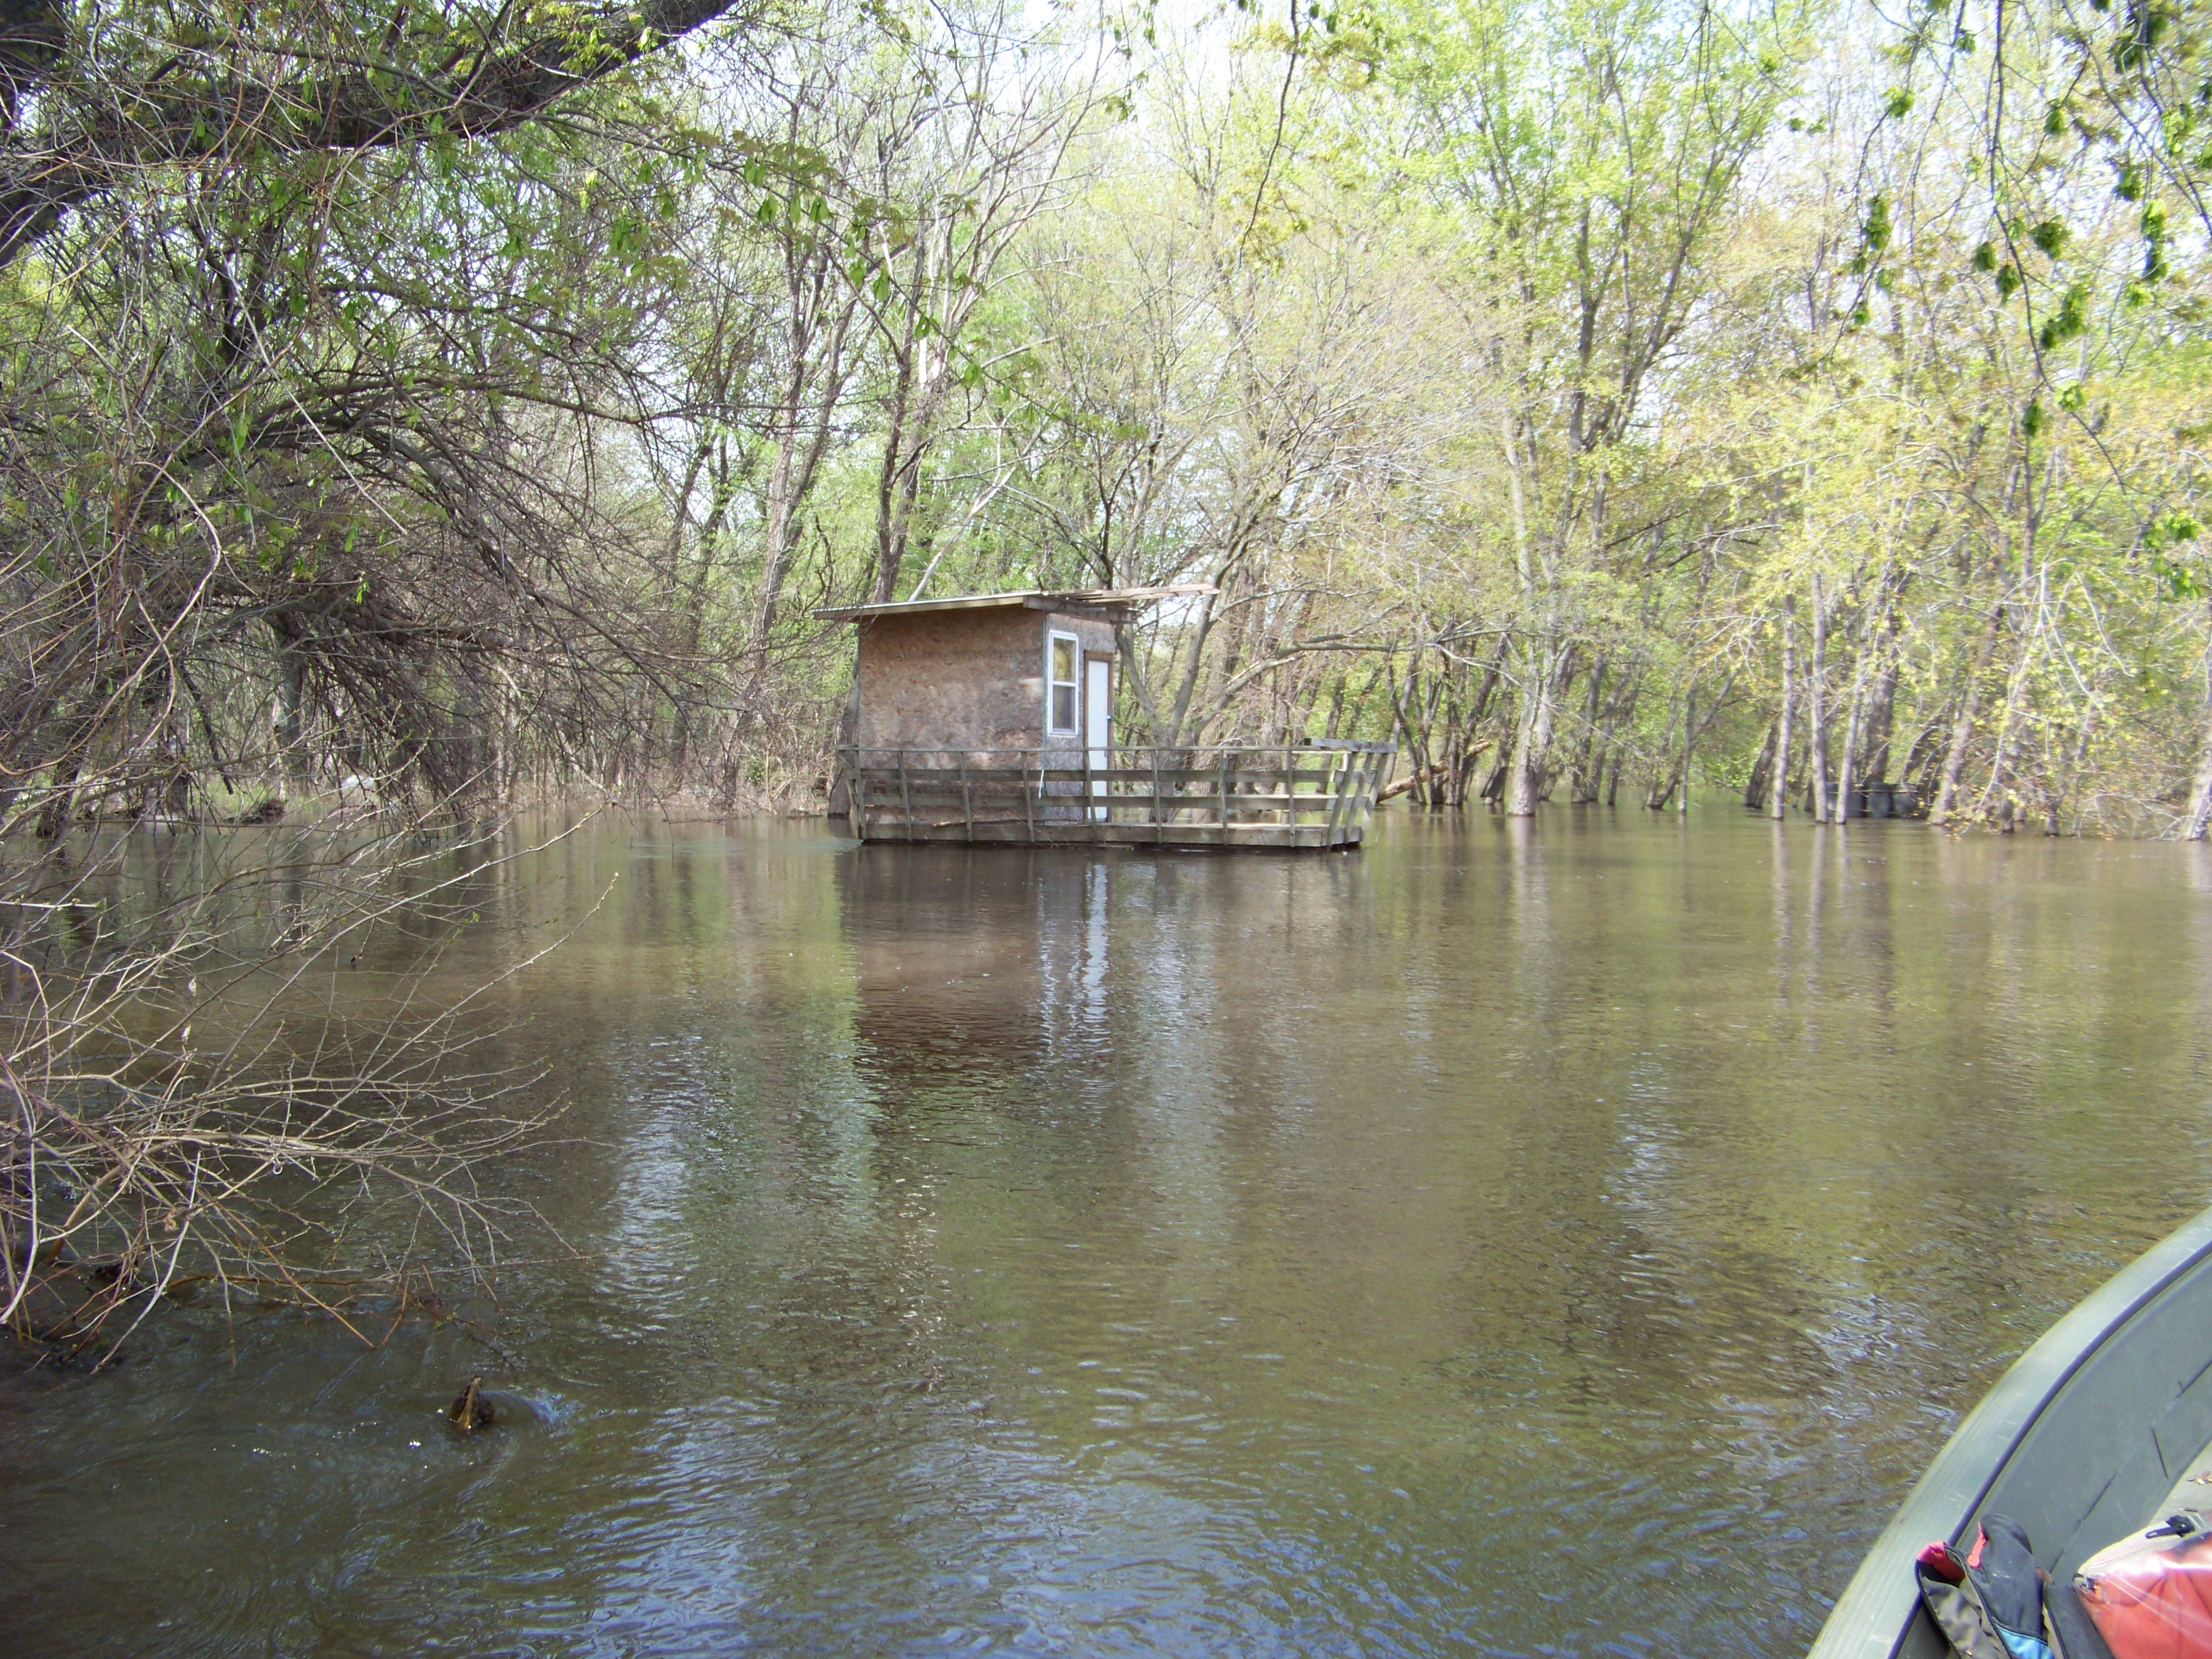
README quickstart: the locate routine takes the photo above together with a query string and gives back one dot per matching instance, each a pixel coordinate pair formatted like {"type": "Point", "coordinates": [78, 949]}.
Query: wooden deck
{"type": "Point", "coordinates": [1310, 795]}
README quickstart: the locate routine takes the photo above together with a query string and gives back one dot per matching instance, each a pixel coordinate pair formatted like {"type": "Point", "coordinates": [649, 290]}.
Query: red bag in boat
{"type": "Point", "coordinates": [2150, 1595]}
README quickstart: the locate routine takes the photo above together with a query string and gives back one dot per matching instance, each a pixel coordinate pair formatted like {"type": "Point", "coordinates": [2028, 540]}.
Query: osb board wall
{"type": "Point", "coordinates": [962, 680]}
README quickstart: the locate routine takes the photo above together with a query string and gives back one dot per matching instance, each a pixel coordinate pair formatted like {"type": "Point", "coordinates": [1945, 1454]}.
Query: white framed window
{"type": "Point", "coordinates": [1063, 658]}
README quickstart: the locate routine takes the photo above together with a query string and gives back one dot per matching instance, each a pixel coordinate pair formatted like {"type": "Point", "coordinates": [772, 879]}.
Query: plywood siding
{"type": "Point", "coordinates": [961, 679]}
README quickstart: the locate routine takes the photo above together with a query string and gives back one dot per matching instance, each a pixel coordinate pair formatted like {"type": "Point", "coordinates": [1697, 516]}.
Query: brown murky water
{"type": "Point", "coordinates": [1564, 1240]}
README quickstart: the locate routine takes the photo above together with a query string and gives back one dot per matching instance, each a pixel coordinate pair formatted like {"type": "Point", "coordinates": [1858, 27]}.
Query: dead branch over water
{"type": "Point", "coordinates": [183, 1116]}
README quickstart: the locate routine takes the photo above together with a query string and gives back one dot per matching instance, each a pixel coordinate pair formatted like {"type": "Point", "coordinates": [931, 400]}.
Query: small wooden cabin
{"type": "Point", "coordinates": [988, 671]}
{"type": "Point", "coordinates": [989, 717]}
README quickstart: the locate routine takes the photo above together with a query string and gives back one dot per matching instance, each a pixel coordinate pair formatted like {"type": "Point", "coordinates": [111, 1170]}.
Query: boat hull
{"type": "Point", "coordinates": [2078, 1442]}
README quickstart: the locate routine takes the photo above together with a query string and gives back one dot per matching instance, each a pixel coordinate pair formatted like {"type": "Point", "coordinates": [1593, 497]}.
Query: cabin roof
{"type": "Point", "coordinates": [1109, 603]}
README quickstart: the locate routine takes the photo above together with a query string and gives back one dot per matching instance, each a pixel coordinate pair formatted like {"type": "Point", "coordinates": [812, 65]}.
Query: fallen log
{"type": "Point", "coordinates": [1440, 769]}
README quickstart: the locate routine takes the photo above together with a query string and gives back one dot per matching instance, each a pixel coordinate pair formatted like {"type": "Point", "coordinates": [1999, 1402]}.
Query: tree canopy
{"type": "Point", "coordinates": [1760, 396]}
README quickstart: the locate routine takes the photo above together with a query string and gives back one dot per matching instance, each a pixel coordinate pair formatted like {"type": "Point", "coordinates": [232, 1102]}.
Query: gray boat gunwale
{"type": "Point", "coordinates": [2126, 1361]}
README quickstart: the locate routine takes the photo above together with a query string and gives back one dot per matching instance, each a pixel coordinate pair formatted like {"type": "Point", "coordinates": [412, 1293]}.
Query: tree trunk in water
{"type": "Point", "coordinates": [1754, 787]}
{"type": "Point", "coordinates": [1532, 733]}
{"type": "Point", "coordinates": [1999, 790]}
{"type": "Point", "coordinates": [1962, 729]}
{"type": "Point", "coordinates": [2200, 808]}
{"type": "Point", "coordinates": [1816, 710]}
{"type": "Point", "coordinates": [54, 816]}
{"type": "Point", "coordinates": [1881, 707]}
{"type": "Point", "coordinates": [1847, 771]}
{"type": "Point", "coordinates": [1588, 771]}
{"type": "Point", "coordinates": [801, 424]}
{"type": "Point", "coordinates": [1689, 743]}
{"type": "Point", "coordinates": [1782, 724]}
{"type": "Point", "coordinates": [781, 511]}
{"type": "Point", "coordinates": [1533, 739]}
{"type": "Point", "coordinates": [1417, 749]}
{"type": "Point", "coordinates": [2199, 821]}
{"type": "Point", "coordinates": [1843, 779]}
{"type": "Point", "coordinates": [291, 690]}
{"type": "Point", "coordinates": [892, 499]}
{"type": "Point", "coordinates": [841, 778]}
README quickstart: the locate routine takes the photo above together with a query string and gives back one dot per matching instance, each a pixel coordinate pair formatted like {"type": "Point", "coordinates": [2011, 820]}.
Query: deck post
{"type": "Point", "coordinates": [905, 796]}
{"type": "Point", "coordinates": [1159, 832]}
{"type": "Point", "coordinates": [1089, 804]}
{"type": "Point", "coordinates": [860, 797]}
{"type": "Point", "coordinates": [1028, 801]}
{"type": "Point", "coordinates": [1333, 835]}
{"type": "Point", "coordinates": [1225, 798]}
{"type": "Point", "coordinates": [967, 801]}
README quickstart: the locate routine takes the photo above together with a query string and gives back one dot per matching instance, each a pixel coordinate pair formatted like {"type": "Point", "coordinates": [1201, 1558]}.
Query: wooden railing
{"type": "Point", "coordinates": [1309, 794]}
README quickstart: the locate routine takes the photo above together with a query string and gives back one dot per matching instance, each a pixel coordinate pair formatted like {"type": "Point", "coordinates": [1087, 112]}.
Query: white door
{"type": "Point", "coordinates": [1097, 722]}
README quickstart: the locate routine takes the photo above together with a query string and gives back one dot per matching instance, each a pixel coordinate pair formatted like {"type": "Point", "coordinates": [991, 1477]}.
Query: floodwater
{"type": "Point", "coordinates": [1556, 1239]}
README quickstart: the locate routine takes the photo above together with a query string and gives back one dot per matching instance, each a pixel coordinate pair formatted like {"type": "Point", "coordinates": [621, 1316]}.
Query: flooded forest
{"type": "Point", "coordinates": [1607, 400]}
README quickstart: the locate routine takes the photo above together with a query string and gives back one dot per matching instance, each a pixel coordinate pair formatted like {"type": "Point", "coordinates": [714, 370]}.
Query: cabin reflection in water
{"type": "Point", "coordinates": [989, 717]}
{"type": "Point", "coordinates": [951, 981]}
